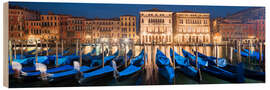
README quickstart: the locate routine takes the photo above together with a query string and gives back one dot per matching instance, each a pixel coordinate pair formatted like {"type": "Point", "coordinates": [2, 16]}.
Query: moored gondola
{"type": "Point", "coordinates": [236, 77]}
{"type": "Point", "coordinates": [252, 74]}
{"type": "Point", "coordinates": [135, 68]}
{"type": "Point", "coordinates": [245, 54]}
{"type": "Point", "coordinates": [222, 62]}
{"type": "Point", "coordinates": [164, 67]}
{"type": "Point", "coordinates": [183, 65]}
{"type": "Point", "coordinates": [75, 72]}
{"type": "Point", "coordinates": [192, 59]}
{"type": "Point", "coordinates": [253, 54]}
{"type": "Point", "coordinates": [107, 72]}
{"type": "Point", "coordinates": [34, 74]}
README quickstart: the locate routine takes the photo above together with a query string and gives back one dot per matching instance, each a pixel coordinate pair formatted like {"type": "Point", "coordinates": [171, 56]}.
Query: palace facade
{"type": "Point", "coordinates": [156, 26]}
{"type": "Point", "coordinates": [191, 27]}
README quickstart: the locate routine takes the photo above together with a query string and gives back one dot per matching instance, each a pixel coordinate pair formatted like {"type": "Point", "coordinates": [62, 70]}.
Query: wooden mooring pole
{"type": "Point", "coordinates": [133, 50]}
{"type": "Point", "coordinates": [197, 65]}
{"type": "Point", "coordinates": [179, 49]}
{"type": "Point", "coordinates": [216, 55]}
{"type": "Point", "coordinates": [249, 52]}
{"type": "Point", "coordinates": [77, 46]}
{"type": "Point", "coordinates": [10, 52]}
{"type": "Point", "coordinates": [239, 52]}
{"type": "Point", "coordinates": [261, 53]}
{"type": "Point", "coordinates": [231, 55]}
{"type": "Point", "coordinates": [226, 49]}
{"type": "Point", "coordinates": [56, 53]}
{"type": "Point", "coordinates": [36, 52]}
{"type": "Point", "coordinates": [21, 49]}
{"type": "Point", "coordinates": [15, 51]}
{"type": "Point", "coordinates": [173, 56]}
{"type": "Point", "coordinates": [41, 47]}
{"type": "Point", "coordinates": [102, 49]}
{"type": "Point", "coordinates": [62, 47]}
{"type": "Point", "coordinates": [152, 54]}
{"type": "Point", "coordinates": [119, 49]}
{"type": "Point", "coordinates": [47, 53]}
{"type": "Point", "coordinates": [144, 52]}
{"type": "Point", "coordinates": [204, 50]}
{"type": "Point", "coordinates": [80, 53]}
{"type": "Point", "coordinates": [125, 54]}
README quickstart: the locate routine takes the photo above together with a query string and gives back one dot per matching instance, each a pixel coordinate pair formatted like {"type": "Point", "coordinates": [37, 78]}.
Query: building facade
{"type": "Point", "coordinates": [191, 27]}
{"type": "Point", "coordinates": [247, 26]}
{"type": "Point", "coordinates": [34, 30]}
{"type": "Point", "coordinates": [17, 17]}
{"type": "Point", "coordinates": [259, 28]}
{"type": "Point", "coordinates": [75, 30]}
{"type": "Point", "coordinates": [128, 26]}
{"type": "Point", "coordinates": [104, 28]}
{"type": "Point", "coordinates": [88, 32]}
{"type": "Point", "coordinates": [156, 26]}
{"type": "Point", "coordinates": [234, 32]}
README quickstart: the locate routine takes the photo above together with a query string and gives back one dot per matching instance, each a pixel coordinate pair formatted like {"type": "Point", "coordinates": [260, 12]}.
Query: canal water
{"type": "Point", "coordinates": [150, 75]}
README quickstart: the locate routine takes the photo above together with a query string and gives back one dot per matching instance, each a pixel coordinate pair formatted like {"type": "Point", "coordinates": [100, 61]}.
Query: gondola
{"type": "Point", "coordinates": [10, 71]}
{"type": "Point", "coordinates": [164, 67]}
{"type": "Point", "coordinates": [52, 57]}
{"type": "Point", "coordinates": [91, 56]}
{"type": "Point", "coordinates": [44, 52]}
{"type": "Point", "coordinates": [192, 59]}
{"type": "Point", "coordinates": [248, 73]}
{"type": "Point", "coordinates": [256, 75]}
{"type": "Point", "coordinates": [31, 51]}
{"type": "Point", "coordinates": [107, 72]}
{"type": "Point", "coordinates": [236, 77]}
{"type": "Point", "coordinates": [36, 75]}
{"type": "Point", "coordinates": [251, 74]}
{"type": "Point", "coordinates": [18, 56]}
{"type": "Point", "coordinates": [31, 60]}
{"type": "Point", "coordinates": [73, 73]}
{"type": "Point", "coordinates": [222, 62]}
{"type": "Point", "coordinates": [22, 56]}
{"type": "Point", "coordinates": [253, 54]}
{"type": "Point", "coordinates": [62, 62]}
{"type": "Point", "coordinates": [16, 70]}
{"type": "Point", "coordinates": [66, 59]}
{"type": "Point", "coordinates": [135, 68]}
{"type": "Point", "coordinates": [245, 54]}
{"type": "Point", "coordinates": [182, 64]}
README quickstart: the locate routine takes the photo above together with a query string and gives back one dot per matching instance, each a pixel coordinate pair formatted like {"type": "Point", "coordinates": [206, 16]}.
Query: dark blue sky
{"type": "Point", "coordinates": [92, 10]}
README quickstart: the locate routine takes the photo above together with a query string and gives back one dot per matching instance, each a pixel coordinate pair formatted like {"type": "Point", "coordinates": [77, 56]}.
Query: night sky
{"type": "Point", "coordinates": [92, 10]}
